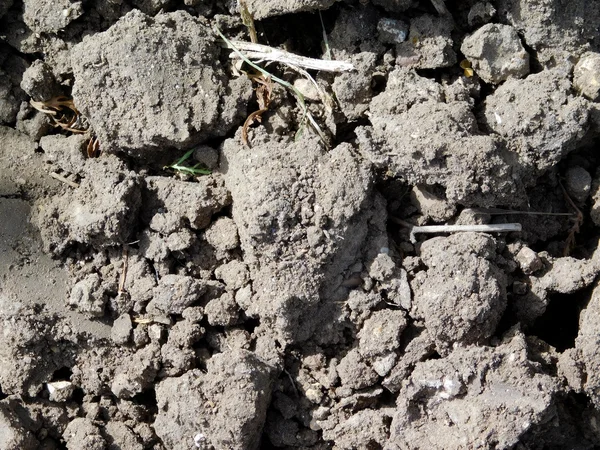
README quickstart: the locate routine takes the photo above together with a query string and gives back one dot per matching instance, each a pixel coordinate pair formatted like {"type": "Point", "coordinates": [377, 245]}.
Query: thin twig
{"type": "Point", "coordinates": [508, 212]}
{"type": "Point", "coordinates": [58, 177]}
{"type": "Point", "coordinates": [570, 241]}
{"type": "Point", "coordinates": [265, 53]}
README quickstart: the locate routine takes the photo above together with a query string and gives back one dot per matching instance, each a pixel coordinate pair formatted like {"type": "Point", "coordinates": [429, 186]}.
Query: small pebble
{"type": "Point", "coordinates": [392, 31]}
{"type": "Point", "coordinates": [529, 261]}
{"type": "Point", "coordinates": [586, 75]}
{"type": "Point", "coordinates": [578, 183]}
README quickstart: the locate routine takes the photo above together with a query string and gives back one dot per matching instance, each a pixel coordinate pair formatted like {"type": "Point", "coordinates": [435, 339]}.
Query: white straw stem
{"type": "Point", "coordinates": [496, 228]}
{"type": "Point", "coordinates": [266, 53]}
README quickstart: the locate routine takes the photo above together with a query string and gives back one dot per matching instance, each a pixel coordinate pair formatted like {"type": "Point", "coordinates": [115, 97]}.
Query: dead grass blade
{"type": "Point", "coordinates": [264, 94]}
{"type": "Point", "coordinates": [63, 113]}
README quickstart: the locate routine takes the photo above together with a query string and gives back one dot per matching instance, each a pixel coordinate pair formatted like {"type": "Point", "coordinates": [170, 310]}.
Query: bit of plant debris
{"type": "Point", "coordinates": [195, 170]}
{"type": "Point", "coordinates": [63, 113]}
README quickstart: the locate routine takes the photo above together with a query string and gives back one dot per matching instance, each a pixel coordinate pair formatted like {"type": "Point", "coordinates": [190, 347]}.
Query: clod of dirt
{"type": "Point", "coordinates": [50, 16]}
{"type": "Point", "coordinates": [560, 275]}
{"type": "Point", "coordinates": [224, 407]}
{"type": "Point", "coordinates": [170, 203]}
{"type": "Point", "coordinates": [154, 82]}
{"type": "Point", "coordinates": [14, 434]}
{"type": "Point", "coordinates": [556, 31]}
{"type": "Point", "coordinates": [395, 5]}
{"type": "Point", "coordinates": [174, 293]}
{"type": "Point", "coordinates": [82, 434]}
{"type": "Point", "coordinates": [353, 90]}
{"type": "Point", "coordinates": [223, 311]}
{"type": "Point", "coordinates": [430, 206]}
{"type": "Point", "coordinates": [100, 212]}
{"type": "Point", "coordinates": [429, 43]}
{"type": "Point", "coordinates": [381, 332]}
{"type": "Point", "coordinates": [297, 211]}
{"type": "Point", "coordinates": [496, 53]}
{"type": "Point", "coordinates": [66, 152]}
{"type": "Point", "coordinates": [222, 235]}
{"type": "Point", "coordinates": [39, 82]}
{"type": "Point", "coordinates": [5, 6]}
{"type": "Point", "coordinates": [267, 8]}
{"type": "Point", "coordinates": [368, 428]}
{"type": "Point", "coordinates": [11, 94]}
{"type": "Point", "coordinates": [586, 75]}
{"type": "Point", "coordinates": [355, 372]}
{"type": "Point", "coordinates": [585, 364]}
{"type": "Point", "coordinates": [462, 295]}
{"type": "Point", "coordinates": [474, 395]}
{"type": "Point", "coordinates": [88, 297]}
{"type": "Point", "coordinates": [480, 14]}
{"type": "Point", "coordinates": [425, 141]}
{"type": "Point", "coordinates": [539, 117]}
{"type": "Point", "coordinates": [32, 347]}
{"type": "Point", "coordinates": [136, 372]}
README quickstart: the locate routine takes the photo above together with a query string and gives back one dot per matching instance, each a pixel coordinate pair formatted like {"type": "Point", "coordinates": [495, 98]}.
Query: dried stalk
{"type": "Point", "coordinates": [430, 229]}
{"type": "Point", "coordinates": [259, 52]}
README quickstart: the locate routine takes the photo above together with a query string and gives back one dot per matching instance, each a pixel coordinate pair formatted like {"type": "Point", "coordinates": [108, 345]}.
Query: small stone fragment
{"type": "Point", "coordinates": [234, 274]}
{"type": "Point", "coordinates": [354, 372]}
{"type": "Point", "coordinates": [496, 53]}
{"type": "Point", "coordinates": [121, 330]}
{"type": "Point", "coordinates": [480, 14]}
{"type": "Point", "coordinates": [383, 364]}
{"type": "Point", "coordinates": [207, 156]}
{"type": "Point", "coordinates": [60, 391]}
{"type": "Point", "coordinates": [392, 31]}
{"type": "Point", "coordinates": [381, 332]}
{"type": "Point", "coordinates": [578, 183]}
{"type": "Point", "coordinates": [222, 311]}
{"type": "Point", "coordinates": [174, 293]}
{"type": "Point", "coordinates": [586, 75]}
{"type": "Point", "coordinates": [529, 261]}
{"type": "Point", "coordinates": [87, 297]}
{"type": "Point", "coordinates": [39, 83]}
{"type": "Point", "coordinates": [222, 234]}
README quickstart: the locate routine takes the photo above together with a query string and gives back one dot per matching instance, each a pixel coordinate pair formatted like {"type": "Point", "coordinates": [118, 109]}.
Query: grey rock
{"type": "Point", "coordinates": [496, 53]}
{"type": "Point", "coordinates": [121, 330]}
{"type": "Point", "coordinates": [586, 75]}
{"type": "Point", "coordinates": [578, 183]}
{"type": "Point", "coordinates": [392, 31]}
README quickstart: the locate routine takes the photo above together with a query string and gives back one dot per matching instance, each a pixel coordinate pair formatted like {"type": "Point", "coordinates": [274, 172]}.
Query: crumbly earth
{"type": "Point", "coordinates": [279, 299]}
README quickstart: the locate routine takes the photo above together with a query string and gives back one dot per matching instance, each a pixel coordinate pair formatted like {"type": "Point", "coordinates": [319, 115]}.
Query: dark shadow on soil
{"type": "Point", "coordinates": [559, 325]}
